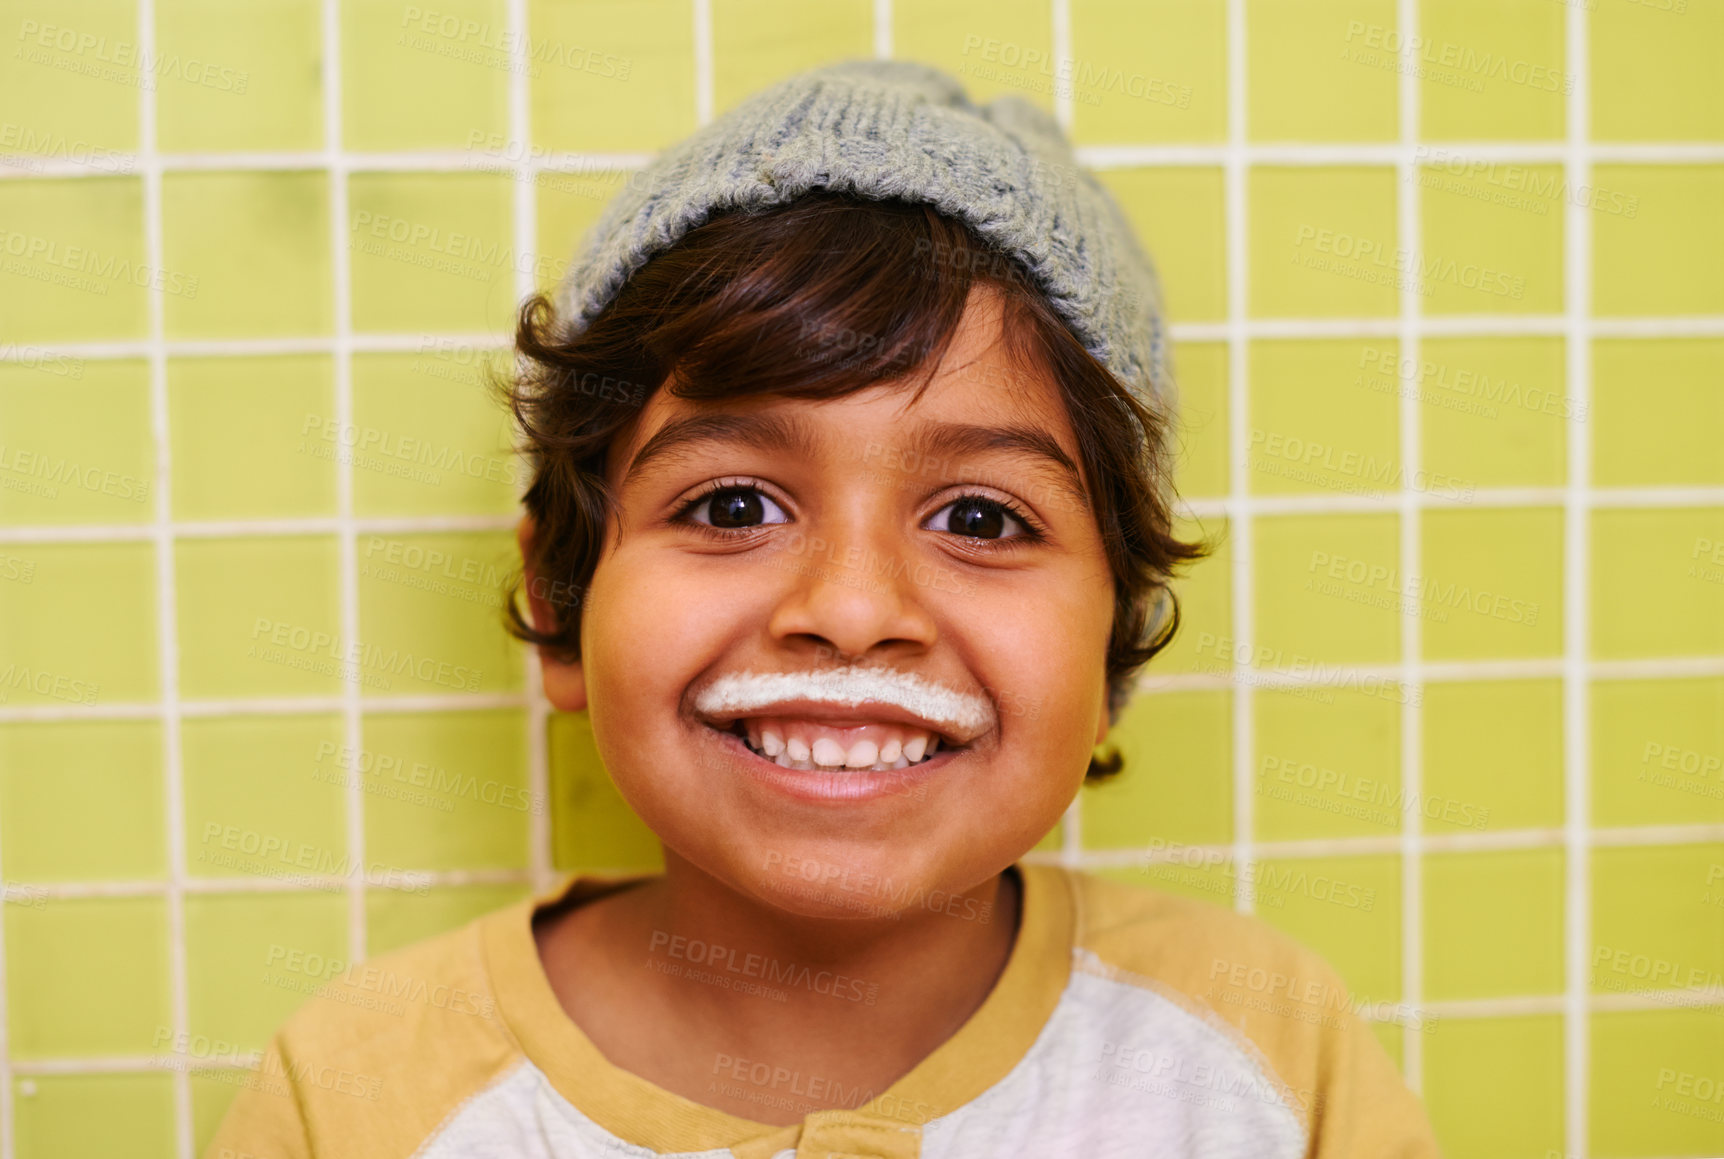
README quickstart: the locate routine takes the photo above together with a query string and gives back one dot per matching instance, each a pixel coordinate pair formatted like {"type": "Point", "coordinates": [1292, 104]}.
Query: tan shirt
{"type": "Point", "coordinates": [1127, 1022]}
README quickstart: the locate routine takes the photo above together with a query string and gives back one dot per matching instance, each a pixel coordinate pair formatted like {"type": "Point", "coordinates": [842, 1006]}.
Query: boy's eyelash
{"type": "Point", "coordinates": [707, 492]}
{"type": "Point", "coordinates": [1033, 531]}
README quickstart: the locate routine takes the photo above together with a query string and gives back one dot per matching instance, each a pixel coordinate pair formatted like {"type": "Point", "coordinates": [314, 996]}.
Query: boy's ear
{"type": "Point", "coordinates": [1102, 725]}
{"type": "Point", "coordinates": [565, 683]}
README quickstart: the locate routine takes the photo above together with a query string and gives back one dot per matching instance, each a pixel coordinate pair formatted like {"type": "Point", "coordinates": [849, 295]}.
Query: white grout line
{"type": "Point", "coordinates": [1486, 841]}
{"type": "Point", "coordinates": [539, 849]}
{"type": "Point", "coordinates": [1060, 33]}
{"type": "Point", "coordinates": [1456, 326]}
{"type": "Point", "coordinates": [1446, 671]}
{"type": "Point", "coordinates": [244, 347]}
{"type": "Point", "coordinates": [1305, 504]}
{"type": "Point", "coordinates": [1071, 821]}
{"type": "Point", "coordinates": [1411, 231]}
{"type": "Point", "coordinates": [1317, 504]}
{"type": "Point", "coordinates": [23, 166]}
{"type": "Point", "coordinates": [352, 710]}
{"type": "Point", "coordinates": [6, 1069]}
{"type": "Point", "coordinates": [1171, 854]}
{"type": "Point", "coordinates": [1388, 153]}
{"type": "Point", "coordinates": [1388, 326]}
{"type": "Point", "coordinates": [883, 29]}
{"type": "Point", "coordinates": [1239, 513]}
{"type": "Point", "coordinates": [702, 61]}
{"type": "Point", "coordinates": [1577, 643]}
{"type": "Point", "coordinates": [167, 613]}
{"type": "Point", "coordinates": [398, 878]}
{"type": "Point", "coordinates": [1064, 105]}
{"type": "Point", "coordinates": [248, 528]}
{"type": "Point", "coordinates": [269, 706]}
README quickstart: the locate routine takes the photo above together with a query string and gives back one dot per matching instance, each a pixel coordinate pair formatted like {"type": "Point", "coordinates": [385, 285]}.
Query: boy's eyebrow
{"type": "Point", "coordinates": [790, 435]}
{"type": "Point", "coordinates": [785, 434]}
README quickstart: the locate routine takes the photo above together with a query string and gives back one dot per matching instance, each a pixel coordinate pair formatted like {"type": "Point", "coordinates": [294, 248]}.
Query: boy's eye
{"type": "Point", "coordinates": [735, 507]}
{"type": "Point", "coordinates": [976, 517]}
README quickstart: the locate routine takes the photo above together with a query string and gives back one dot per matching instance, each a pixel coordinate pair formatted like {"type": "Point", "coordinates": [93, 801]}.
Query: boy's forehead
{"type": "Point", "coordinates": [979, 408]}
{"type": "Point", "coordinates": [980, 398]}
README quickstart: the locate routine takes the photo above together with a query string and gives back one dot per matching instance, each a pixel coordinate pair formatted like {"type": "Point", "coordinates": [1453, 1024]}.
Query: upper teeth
{"type": "Point", "coordinates": [799, 744]}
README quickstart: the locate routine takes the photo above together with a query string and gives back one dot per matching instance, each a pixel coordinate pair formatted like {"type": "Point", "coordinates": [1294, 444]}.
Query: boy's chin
{"type": "Point", "coordinates": [880, 884]}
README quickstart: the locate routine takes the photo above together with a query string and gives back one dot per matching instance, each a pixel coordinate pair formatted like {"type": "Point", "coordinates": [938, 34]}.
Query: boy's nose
{"type": "Point", "coordinates": [852, 598]}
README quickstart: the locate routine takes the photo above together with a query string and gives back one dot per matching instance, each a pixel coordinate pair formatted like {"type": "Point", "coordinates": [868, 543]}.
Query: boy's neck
{"type": "Point", "coordinates": [674, 976]}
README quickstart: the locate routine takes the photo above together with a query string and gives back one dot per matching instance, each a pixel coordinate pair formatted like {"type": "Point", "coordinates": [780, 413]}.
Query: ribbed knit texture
{"type": "Point", "coordinates": [898, 130]}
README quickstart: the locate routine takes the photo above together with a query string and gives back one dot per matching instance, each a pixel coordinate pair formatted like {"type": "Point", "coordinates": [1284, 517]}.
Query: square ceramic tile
{"type": "Point", "coordinates": [1177, 781]}
{"type": "Point", "coordinates": [1152, 71]}
{"type": "Point", "coordinates": [239, 78]}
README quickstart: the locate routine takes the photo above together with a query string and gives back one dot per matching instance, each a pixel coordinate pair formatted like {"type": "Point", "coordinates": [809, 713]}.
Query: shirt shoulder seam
{"type": "Point", "coordinates": [1088, 962]}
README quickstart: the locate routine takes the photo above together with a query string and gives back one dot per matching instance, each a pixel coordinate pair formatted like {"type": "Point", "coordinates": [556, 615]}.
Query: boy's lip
{"type": "Point", "coordinates": [839, 786]}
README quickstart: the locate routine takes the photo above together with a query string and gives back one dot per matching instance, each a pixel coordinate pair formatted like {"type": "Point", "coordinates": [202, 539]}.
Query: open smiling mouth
{"type": "Point", "coordinates": [820, 747]}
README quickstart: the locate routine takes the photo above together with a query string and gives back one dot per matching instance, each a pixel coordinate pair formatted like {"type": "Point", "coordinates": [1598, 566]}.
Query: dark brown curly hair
{"type": "Point", "coordinates": [818, 298]}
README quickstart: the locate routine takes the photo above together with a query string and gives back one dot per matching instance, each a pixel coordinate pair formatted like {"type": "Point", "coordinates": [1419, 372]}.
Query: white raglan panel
{"type": "Point", "coordinates": [521, 1116]}
{"type": "Point", "coordinates": [1119, 1071]}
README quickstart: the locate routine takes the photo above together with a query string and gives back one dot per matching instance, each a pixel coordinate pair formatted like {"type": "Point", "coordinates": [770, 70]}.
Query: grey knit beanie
{"type": "Point", "coordinates": [895, 130]}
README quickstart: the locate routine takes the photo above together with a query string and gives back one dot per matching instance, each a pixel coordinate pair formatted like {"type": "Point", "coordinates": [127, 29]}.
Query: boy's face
{"type": "Point", "coordinates": [845, 553]}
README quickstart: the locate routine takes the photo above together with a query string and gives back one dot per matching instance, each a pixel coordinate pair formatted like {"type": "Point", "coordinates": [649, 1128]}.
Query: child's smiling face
{"type": "Point", "coordinates": [795, 536]}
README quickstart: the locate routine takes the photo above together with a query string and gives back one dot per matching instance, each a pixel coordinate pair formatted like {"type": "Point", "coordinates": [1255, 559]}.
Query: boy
{"type": "Point", "coordinates": [852, 575]}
